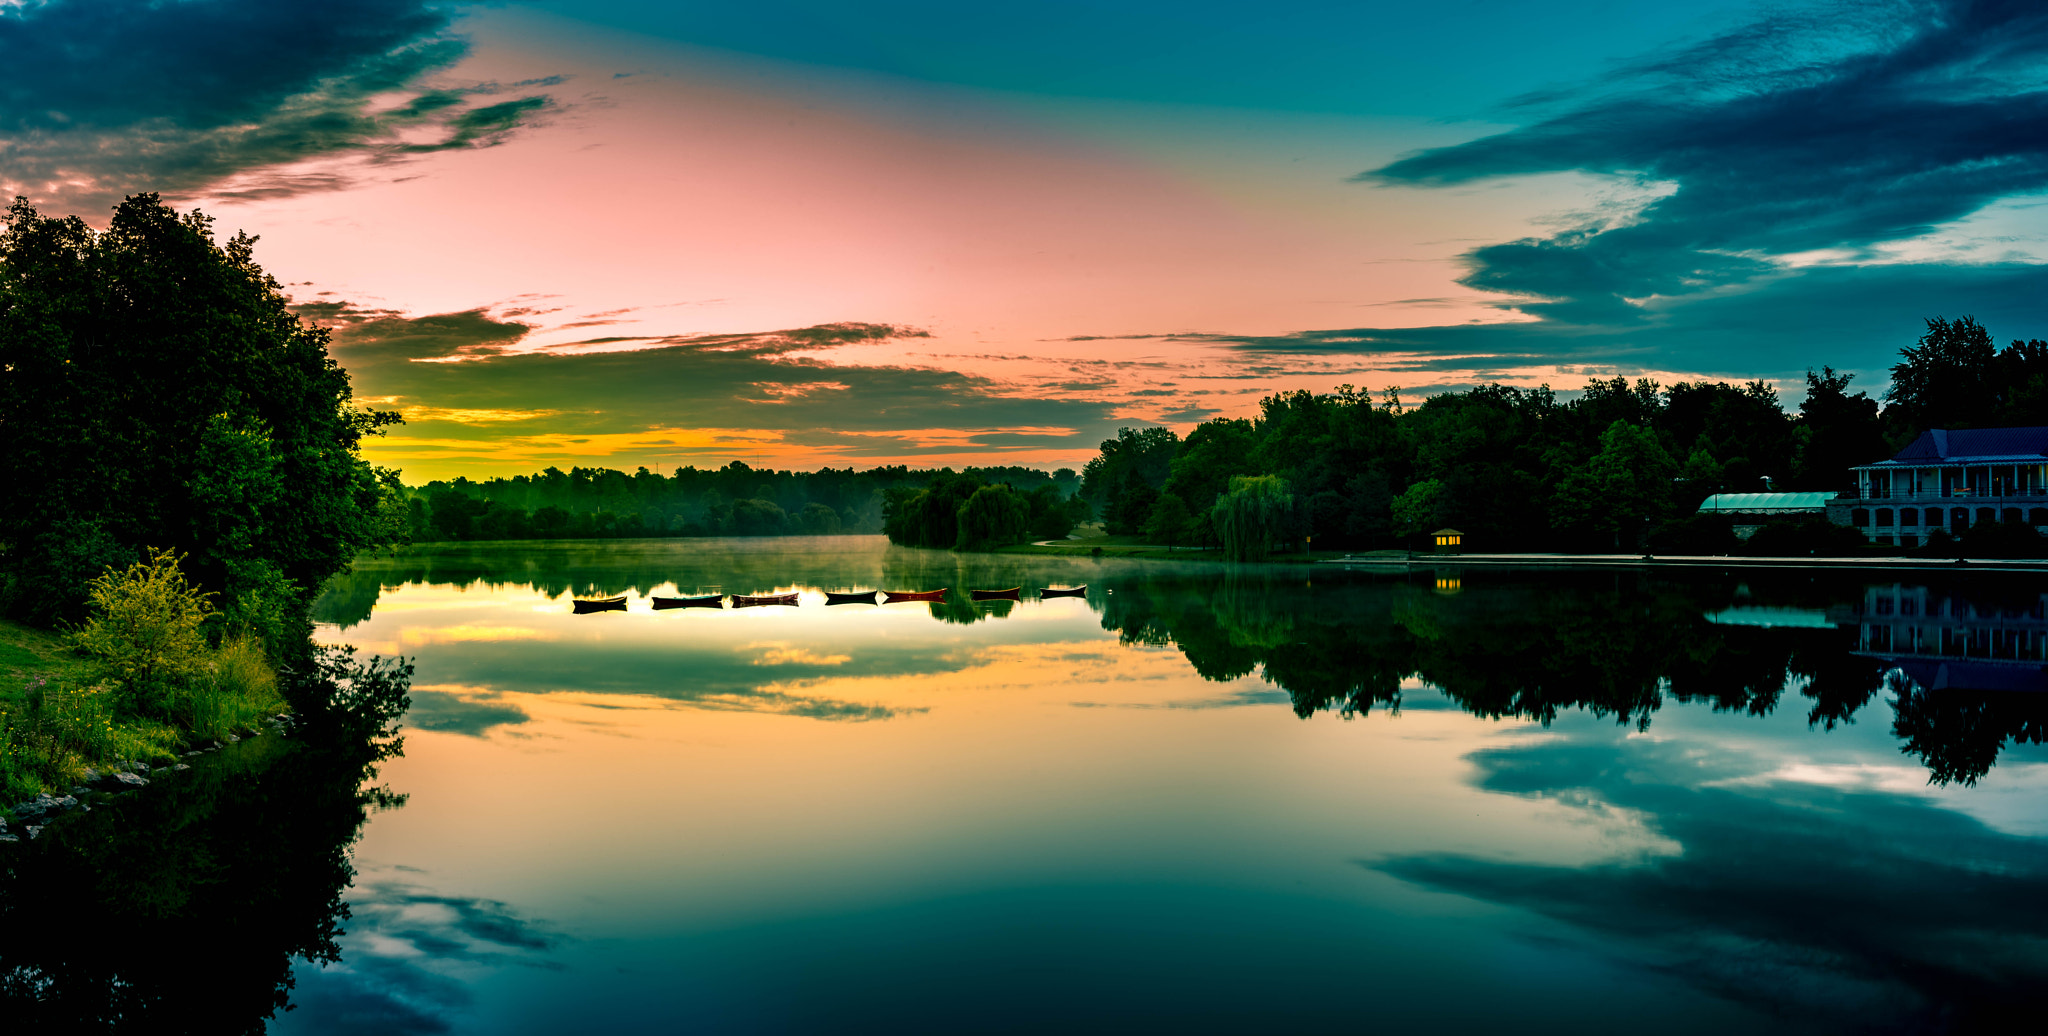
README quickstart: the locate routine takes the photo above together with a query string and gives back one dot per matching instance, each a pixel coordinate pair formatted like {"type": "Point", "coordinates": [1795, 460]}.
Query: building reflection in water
{"type": "Point", "coordinates": [1942, 639]}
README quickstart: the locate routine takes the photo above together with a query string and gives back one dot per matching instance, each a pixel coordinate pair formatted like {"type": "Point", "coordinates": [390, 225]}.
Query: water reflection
{"type": "Point", "coordinates": [1844, 908]}
{"type": "Point", "coordinates": [1963, 663]}
{"type": "Point", "coordinates": [1675, 801]}
{"type": "Point", "coordinates": [181, 908]}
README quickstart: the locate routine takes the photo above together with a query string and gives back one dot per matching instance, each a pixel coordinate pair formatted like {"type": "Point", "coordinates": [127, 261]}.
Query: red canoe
{"type": "Point", "coordinates": [894, 596]}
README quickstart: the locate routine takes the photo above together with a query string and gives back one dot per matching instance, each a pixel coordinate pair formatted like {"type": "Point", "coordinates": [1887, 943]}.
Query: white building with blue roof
{"type": "Point", "coordinates": [1951, 479]}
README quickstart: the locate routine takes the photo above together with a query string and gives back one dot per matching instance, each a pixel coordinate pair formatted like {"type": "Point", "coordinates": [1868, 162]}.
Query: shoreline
{"type": "Point", "coordinates": [1950, 565]}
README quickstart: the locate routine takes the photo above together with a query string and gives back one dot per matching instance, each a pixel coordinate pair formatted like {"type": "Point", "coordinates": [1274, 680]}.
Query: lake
{"type": "Point", "coordinates": [1273, 799]}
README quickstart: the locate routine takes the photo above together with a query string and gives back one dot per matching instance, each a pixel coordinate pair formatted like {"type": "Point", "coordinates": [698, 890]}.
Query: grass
{"type": "Point", "coordinates": [62, 711]}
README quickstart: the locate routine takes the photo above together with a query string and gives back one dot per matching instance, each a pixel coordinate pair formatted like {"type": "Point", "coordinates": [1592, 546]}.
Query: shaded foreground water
{"type": "Point", "coordinates": [1281, 799]}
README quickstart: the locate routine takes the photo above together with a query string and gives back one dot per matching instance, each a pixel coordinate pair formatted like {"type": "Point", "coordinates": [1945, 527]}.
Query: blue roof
{"type": "Point", "coordinates": [1974, 446]}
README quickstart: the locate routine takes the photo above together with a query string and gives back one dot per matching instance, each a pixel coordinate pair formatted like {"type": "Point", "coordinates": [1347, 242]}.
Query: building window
{"type": "Point", "coordinates": [2038, 516]}
{"type": "Point", "coordinates": [1884, 517]}
{"type": "Point", "coordinates": [1859, 517]}
{"type": "Point", "coordinates": [2011, 514]}
{"type": "Point", "coordinates": [1909, 516]}
{"type": "Point", "coordinates": [1987, 514]}
{"type": "Point", "coordinates": [1958, 519]}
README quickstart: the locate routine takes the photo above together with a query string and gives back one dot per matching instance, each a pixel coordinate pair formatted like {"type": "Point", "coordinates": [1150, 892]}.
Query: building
{"type": "Point", "coordinates": [1448, 541]}
{"type": "Point", "coordinates": [1950, 480]}
{"type": "Point", "coordinates": [1751, 510]}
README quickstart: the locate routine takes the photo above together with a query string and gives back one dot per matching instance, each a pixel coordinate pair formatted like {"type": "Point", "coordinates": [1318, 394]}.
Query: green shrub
{"type": "Point", "coordinates": [145, 624]}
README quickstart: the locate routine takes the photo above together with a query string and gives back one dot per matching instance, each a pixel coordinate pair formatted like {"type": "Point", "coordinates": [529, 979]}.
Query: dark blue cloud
{"type": "Point", "coordinates": [1839, 127]}
{"type": "Point", "coordinates": [1849, 317]}
{"type": "Point", "coordinates": [99, 98]}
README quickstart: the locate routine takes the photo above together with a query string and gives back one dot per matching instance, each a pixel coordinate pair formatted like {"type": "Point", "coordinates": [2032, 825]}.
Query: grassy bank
{"type": "Point", "coordinates": [148, 694]}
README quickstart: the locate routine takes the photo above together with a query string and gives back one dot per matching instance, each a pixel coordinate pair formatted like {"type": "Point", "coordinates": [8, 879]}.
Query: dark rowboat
{"type": "Point", "coordinates": [894, 596]}
{"type": "Point", "coordinates": [995, 595]}
{"type": "Point", "coordinates": [744, 601]}
{"type": "Point", "coordinates": [1072, 591]}
{"type": "Point", "coordinates": [609, 604]}
{"type": "Point", "coordinates": [864, 597]}
{"type": "Point", "coordinates": [707, 601]}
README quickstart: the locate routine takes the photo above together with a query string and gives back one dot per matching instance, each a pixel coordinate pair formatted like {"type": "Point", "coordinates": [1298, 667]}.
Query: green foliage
{"type": "Point", "coordinates": [1053, 515]}
{"type": "Point", "coordinates": [1415, 510]}
{"type": "Point", "coordinates": [1171, 522]}
{"type": "Point", "coordinates": [53, 731]}
{"type": "Point", "coordinates": [928, 517]}
{"type": "Point", "coordinates": [145, 624]}
{"type": "Point", "coordinates": [816, 519]}
{"type": "Point", "coordinates": [1129, 507]}
{"type": "Point", "coordinates": [1696, 534]}
{"type": "Point", "coordinates": [1807, 536]}
{"type": "Point", "coordinates": [2004, 539]}
{"type": "Point", "coordinates": [1945, 381]}
{"type": "Point", "coordinates": [1133, 457]}
{"type": "Point", "coordinates": [1256, 512]}
{"type": "Point", "coordinates": [1214, 452]}
{"type": "Point", "coordinates": [156, 390]}
{"type": "Point", "coordinates": [1836, 431]}
{"type": "Point", "coordinates": [995, 516]}
{"type": "Point", "coordinates": [1617, 495]}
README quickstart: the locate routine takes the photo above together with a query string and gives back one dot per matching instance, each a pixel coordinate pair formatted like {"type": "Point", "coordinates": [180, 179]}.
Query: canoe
{"type": "Point", "coordinates": [608, 604]}
{"type": "Point", "coordinates": [864, 597]}
{"type": "Point", "coordinates": [995, 595]}
{"type": "Point", "coordinates": [707, 601]}
{"type": "Point", "coordinates": [893, 596]}
{"type": "Point", "coordinates": [744, 601]}
{"type": "Point", "coordinates": [1071, 591]}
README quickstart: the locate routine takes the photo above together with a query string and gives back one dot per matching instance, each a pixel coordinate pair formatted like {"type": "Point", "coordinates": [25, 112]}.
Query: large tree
{"type": "Point", "coordinates": [156, 391]}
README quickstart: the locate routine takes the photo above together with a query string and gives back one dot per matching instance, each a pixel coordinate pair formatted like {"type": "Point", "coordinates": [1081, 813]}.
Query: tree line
{"type": "Point", "coordinates": [1623, 465]}
{"type": "Point", "coordinates": [734, 500]}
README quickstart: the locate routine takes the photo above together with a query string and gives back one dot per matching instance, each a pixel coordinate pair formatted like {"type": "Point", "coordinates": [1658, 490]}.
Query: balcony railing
{"type": "Point", "coordinates": [1870, 493]}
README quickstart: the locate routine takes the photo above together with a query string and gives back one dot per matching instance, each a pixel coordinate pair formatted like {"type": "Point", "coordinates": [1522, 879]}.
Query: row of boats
{"type": "Point", "coordinates": [618, 604]}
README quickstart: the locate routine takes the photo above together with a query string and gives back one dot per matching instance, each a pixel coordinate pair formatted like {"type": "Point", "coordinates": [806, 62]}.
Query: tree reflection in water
{"type": "Point", "coordinates": [180, 907]}
{"type": "Point", "coordinates": [1614, 645]}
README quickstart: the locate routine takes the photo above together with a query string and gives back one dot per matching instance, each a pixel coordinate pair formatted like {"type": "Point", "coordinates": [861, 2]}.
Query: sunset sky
{"type": "Point", "coordinates": [801, 234]}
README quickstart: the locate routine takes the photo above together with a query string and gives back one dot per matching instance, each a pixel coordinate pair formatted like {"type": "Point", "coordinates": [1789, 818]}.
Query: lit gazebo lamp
{"type": "Point", "coordinates": [1448, 541]}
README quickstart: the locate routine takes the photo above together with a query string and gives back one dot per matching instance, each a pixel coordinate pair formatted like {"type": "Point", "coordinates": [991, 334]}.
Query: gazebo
{"type": "Point", "coordinates": [1448, 541]}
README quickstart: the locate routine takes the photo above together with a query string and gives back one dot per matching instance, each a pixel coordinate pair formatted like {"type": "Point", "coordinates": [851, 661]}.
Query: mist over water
{"type": "Point", "coordinates": [1290, 798]}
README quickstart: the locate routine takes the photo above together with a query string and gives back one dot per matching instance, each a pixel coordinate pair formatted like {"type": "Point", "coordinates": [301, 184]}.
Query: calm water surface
{"type": "Point", "coordinates": [1280, 800]}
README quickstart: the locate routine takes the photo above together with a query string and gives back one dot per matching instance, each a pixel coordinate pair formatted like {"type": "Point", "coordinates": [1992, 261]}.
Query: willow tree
{"type": "Point", "coordinates": [1256, 511]}
{"type": "Point", "coordinates": [995, 516]}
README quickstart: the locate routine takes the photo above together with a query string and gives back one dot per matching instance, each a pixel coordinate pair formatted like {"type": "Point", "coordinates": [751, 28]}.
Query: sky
{"type": "Point", "coordinates": [805, 234]}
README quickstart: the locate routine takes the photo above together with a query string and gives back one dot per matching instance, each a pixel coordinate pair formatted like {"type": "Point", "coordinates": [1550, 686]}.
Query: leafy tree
{"type": "Point", "coordinates": [1836, 431]}
{"type": "Point", "coordinates": [1946, 381]}
{"type": "Point", "coordinates": [1141, 456]}
{"type": "Point", "coordinates": [1625, 488]}
{"type": "Point", "coordinates": [1169, 522]}
{"type": "Point", "coordinates": [155, 390]}
{"type": "Point", "coordinates": [1213, 453]}
{"type": "Point", "coordinates": [818, 519]}
{"type": "Point", "coordinates": [1130, 507]}
{"type": "Point", "coordinates": [1415, 510]}
{"type": "Point", "coordinates": [1053, 516]}
{"type": "Point", "coordinates": [752, 517]}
